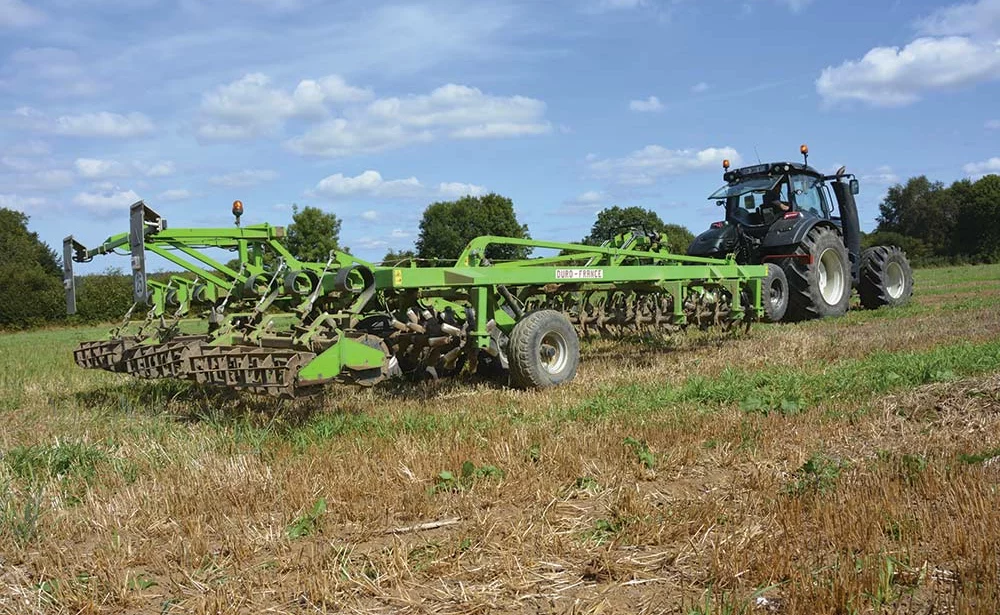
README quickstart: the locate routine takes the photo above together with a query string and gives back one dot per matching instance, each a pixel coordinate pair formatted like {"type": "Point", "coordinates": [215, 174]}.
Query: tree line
{"type": "Point", "coordinates": [938, 225]}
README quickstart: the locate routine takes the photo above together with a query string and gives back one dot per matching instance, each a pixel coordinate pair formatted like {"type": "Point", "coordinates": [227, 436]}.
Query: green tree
{"type": "Point", "coordinates": [447, 226]}
{"type": "Point", "coordinates": [31, 290]}
{"type": "Point", "coordinates": [105, 296]}
{"type": "Point", "coordinates": [614, 220]}
{"type": "Point", "coordinates": [312, 234]}
{"type": "Point", "coordinates": [977, 233]}
{"type": "Point", "coordinates": [916, 250]}
{"type": "Point", "coordinates": [400, 258]}
{"type": "Point", "coordinates": [936, 225]}
{"type": "Point", "coordinates": [677, 237]}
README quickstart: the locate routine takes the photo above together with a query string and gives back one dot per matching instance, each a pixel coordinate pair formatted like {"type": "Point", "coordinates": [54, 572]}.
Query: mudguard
{"type": "Point", "coordinates": [784, 233]}
{"type": "Point", "coordinates": [715, 242]}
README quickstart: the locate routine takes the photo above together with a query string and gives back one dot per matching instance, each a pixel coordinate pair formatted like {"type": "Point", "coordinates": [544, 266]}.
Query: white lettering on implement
{"type": "Point", "coordinates": [579, 274]}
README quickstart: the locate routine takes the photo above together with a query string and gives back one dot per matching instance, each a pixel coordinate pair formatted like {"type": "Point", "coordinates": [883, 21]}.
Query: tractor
{"type": "Point", "coordinates": [782, 214]}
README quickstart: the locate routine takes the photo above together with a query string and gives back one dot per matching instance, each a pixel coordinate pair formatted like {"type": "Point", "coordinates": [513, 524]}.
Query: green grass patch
{"type": "Point", "coordinates": [980, 457]}
{"type": "Point", "coordinates": [63, 461]}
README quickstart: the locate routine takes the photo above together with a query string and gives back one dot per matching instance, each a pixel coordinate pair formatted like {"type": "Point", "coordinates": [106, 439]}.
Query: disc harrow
{"type": "Point", "coordinates": [273, 324]}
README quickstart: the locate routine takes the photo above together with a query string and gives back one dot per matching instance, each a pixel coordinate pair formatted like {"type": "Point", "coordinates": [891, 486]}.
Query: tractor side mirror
{"type": "Point", "coordinates": [855, 187]}
{"type": "Point", "coordinates": [720, 203]}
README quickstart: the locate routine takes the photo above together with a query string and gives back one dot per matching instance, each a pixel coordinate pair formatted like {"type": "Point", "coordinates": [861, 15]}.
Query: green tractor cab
{"type": "Point", "coordinates": [804, 225]}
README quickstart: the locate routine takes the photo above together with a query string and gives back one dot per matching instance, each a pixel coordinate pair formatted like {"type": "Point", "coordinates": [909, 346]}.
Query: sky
{"type": "Point", "coordinates": [374, 110]}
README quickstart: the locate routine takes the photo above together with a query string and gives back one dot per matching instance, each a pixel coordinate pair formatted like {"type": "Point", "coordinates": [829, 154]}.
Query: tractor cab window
{"type": "Point", "coordinates": [809, 196]}
{"type": "Point", "coordinates": [748, 201]}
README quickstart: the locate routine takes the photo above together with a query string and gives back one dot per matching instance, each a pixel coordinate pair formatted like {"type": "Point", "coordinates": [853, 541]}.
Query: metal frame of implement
{"type": "Point", "coordinates": [286, 327]}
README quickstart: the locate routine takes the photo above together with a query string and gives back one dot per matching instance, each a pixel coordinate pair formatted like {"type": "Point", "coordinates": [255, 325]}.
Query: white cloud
{"type": "Point", "coordinates": [315, 94]}
{"type": "Point", "coordinates": [174, 194]}
{"type": "Point", "coordinates": [53, 179]}
{"type": "Point", "coordinates": [458, 189]}
{"type": "Point", "coordinates": [247, 107]}
{"type": "Point", "coordinates": [251, 106]}
{"type": "Point", "coordinates": [959, 46]}
{"type": "Point", "coordinates": [698, 88]}
{"type": "Point", "coordinates": [371, 215]}
{"type": "Point", "coordinates": [29, 148]}
{"type": "Point", "coordinates": [59, 71]}
{"type": "Point", "coordinates": [342, 138]}
{"type": "Point", "coordinates": [368, 183]}
{"type": "Point", "coordinates": [372, 184]}
{"type": "Point", "coordinates": [646, 165]}
{"type": "Point", "coordinates": [993, 125]}
{"type": "Point", "coordinates": [796, 5]}
{"type": "Point", "coordinates": [591, 199]}
{"type": "Point", "coordinates": [398, 233]}
{"type": "Point", "coordinates": [882, 176]}
{"type": "Point", "coordinates": [17, 14]}
{"type": "Point", "coordinates": [93, 168]}
{"type": "Point", "coordinates": [102, 124]}
{"type": "Point", "coordinates": [454, 111]}
{"type": "Point", "coordinates": [18, 163]}
{"type": "Point", "coordinates": [20, 203]}
{"type": "Point", "coordinates": [370, 243]}
{"type": "Point", "coordinates": [240, 179]}
{"type": "Point", "coordinates": [651, 104]}
{"type": "Point", "coordinates": [35, 178]}
{"type": "Point", "coordinates": [972, 18]}
{"type": "Point", "coordinates": [158, 169]}
{"type": "Point", "coordinates": [985, 167]}
{"type": "Point", "coordinates": [106, 201]}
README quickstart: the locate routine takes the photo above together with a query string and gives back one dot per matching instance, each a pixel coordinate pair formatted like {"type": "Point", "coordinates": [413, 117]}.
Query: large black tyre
{"type": "Point", "coordinates": [774, 291]}
{"type": "Point", "coordinates": [886, 277]}
{"type": "Point", "coordinates": [819, 279]}
{"type": "Point", "coordinates": [543, 351]}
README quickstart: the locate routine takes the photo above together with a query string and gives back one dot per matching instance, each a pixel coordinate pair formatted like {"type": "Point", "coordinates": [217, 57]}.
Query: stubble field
{"type": "Point", "coordinates": [842, 466]}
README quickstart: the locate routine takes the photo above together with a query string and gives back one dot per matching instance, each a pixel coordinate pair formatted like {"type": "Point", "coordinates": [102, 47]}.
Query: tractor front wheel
{"type": "Point", "coordinates": [819, 277]}
{"type": "Point", "coordinates": [886, 277]}
{"type": "Point", "coordinates": [543, 351]}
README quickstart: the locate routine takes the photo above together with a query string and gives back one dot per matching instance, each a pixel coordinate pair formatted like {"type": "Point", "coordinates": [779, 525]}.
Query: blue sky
{"type": "Point", "coordinates": [373, 110]}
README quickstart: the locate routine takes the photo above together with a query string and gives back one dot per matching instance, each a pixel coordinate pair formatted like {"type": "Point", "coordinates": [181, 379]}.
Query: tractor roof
{"type": "Point", "coordinates": [769, 168]}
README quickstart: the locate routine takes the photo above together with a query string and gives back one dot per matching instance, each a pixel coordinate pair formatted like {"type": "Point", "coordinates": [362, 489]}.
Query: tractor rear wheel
{"type": "Point", "coordinates": [543, 351]}
{"type": "Point", "coordinates": [886, 277]}
{"type": "Point", "coordinates": [774, 290]}
{"type": "Point", "coordinates": [819, 278]}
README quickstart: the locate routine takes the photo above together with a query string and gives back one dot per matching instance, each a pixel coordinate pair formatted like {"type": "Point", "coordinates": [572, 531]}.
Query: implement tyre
{"type": "Point", "coordinates": [543, 351]}
{"type": "Point", "coordinates": [819, 286]}
{"type": "Point", "coordinates": [774, 290]}
{"type": "Point", "coordinates": [886, 277]}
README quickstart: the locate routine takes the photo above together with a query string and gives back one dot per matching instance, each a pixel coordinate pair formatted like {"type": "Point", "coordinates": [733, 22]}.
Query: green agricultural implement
{"type": "Point", "coordinates": [269, 323]}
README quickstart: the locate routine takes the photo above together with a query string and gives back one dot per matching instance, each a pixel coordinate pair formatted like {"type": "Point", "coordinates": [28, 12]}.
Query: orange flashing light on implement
{"type": "Point", "coordinates": [237, 210]}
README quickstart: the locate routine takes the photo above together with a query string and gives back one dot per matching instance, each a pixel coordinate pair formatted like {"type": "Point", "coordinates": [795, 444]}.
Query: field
{"type": "Point", "coordinates": [842, 466]}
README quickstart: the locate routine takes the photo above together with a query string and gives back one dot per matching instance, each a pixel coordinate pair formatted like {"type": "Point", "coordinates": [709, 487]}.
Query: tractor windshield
{"type": "Point", "coordinates": [753, 184]}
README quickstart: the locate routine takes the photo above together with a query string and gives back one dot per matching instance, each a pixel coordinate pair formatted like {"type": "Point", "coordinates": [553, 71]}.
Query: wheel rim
{"type": "Point", "coordinates": [777, 293]}
{"type": "Point", "coordinates": [894, 280]}
{"type": "Point", "coordinates": [553, 353]}
{"type": "Point", "coordinates": [831, 276]}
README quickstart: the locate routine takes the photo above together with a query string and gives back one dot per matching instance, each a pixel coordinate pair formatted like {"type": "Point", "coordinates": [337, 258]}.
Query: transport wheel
{"type": "Point", "coordinates": [774, 289]}
{"type": "Point", "coordinates": [820, 285]}
{"type": "Point", "coordinates": [886, 277]}
{"type": "Point", "coordinates": [543, 351]}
